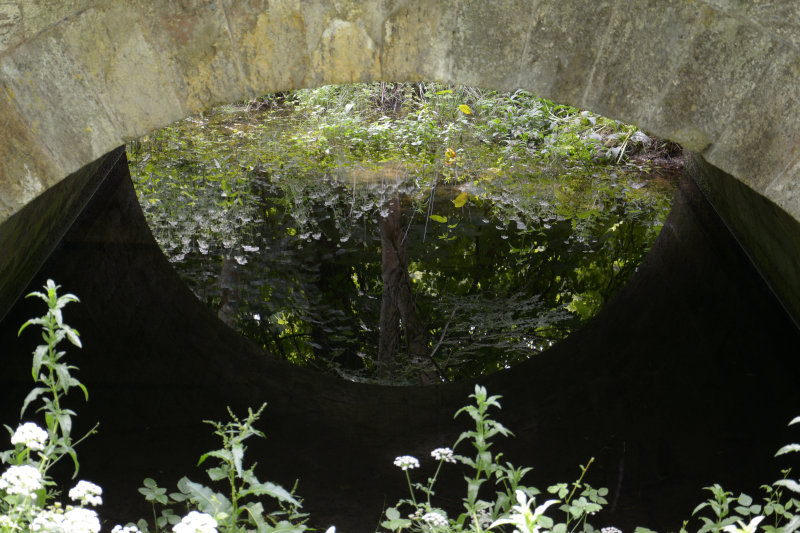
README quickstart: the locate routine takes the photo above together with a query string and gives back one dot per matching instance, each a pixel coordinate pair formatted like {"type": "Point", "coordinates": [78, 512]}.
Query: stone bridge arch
{"type": "Point", "coordinates": [720, 77]}
{"type": "Point", "coordinates": [78, 78]}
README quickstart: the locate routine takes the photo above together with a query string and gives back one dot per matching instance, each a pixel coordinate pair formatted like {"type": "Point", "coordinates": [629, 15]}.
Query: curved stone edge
{"type": "Point", "coordinates": [767, 234]}
{"type": "Point", "coordinates": [30, 235]}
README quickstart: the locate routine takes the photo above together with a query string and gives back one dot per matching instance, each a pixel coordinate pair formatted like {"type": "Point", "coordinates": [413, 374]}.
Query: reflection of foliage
{"type": "Point", "coordinates": [525, 217]}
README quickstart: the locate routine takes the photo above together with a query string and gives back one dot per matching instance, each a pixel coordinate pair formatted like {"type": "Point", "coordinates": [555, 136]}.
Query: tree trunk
{"type": "Point", "coordinates": [229, 292]}
{"type": "Point", "coordinates": [397, 304]}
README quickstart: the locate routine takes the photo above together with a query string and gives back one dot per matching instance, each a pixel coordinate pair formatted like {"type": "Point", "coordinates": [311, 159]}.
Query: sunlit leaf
{"type": "Point", "coordinates": [788, 448]}
{"type": "Point", "coordinates": [460, 200]}
{"type": "Point", "coordinates": [790, 484]}
{"type": "Point", "coordinates": [439, 218]}
{"type": "Point", "coordinates": [465, 109]}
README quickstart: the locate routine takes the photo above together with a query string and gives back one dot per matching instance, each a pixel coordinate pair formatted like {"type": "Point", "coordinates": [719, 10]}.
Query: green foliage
{"type": "Point", "coordinates": [524, 217]}
{"type": "Point", "coordinates": [495, 495]}
{"type": "Point", "coordinates": [779, 512]}
{"type": "Point", "coordinates": [239, 506]}
{"type": "Point", "coordinates": [26, 489]}
{"type": "Point", "coordinates": [54, 378]}
{"type": "Point", "coordinates": [496, 498]}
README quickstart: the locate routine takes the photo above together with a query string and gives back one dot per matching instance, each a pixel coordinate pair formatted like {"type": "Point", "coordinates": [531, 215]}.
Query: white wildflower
{"type": "Point", "coordinates": [741, 527]}
{"type": "Point", "coordinates": [248, 248]}
{"type": "Point", "coordinates": [81, 521]}
{"type": "Point", "coordinates": [484, 518]}
{"type": "Point", "coordinates": [406, 461]}
{"type": "Point", "coordinates": [196, 522]}
{"type": "Point", "coordinates": [610, 529]}
{"type": "Point", "coordinates": [6, 523]}
{"type": "Point", "coordinates": [22, 480]}
{"type": "Point", "coordinates": [443, 454]}
{"type": "Point", "coordinates": [240, 259]}
{"type": "Point", "coordinates": [435, 519]}
{"type": "Point", "coordinates": [86, 492]}
{"type": "Point", "coordinates": [48, 521]}
{"type": "Point", "coordinates": [127, 529]}
{"type": "Point", "coordinates": [31, 435]}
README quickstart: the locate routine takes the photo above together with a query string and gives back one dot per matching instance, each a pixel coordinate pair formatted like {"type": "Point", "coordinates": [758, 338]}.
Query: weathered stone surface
{"type": "Point", "coordinates": [80, 77]}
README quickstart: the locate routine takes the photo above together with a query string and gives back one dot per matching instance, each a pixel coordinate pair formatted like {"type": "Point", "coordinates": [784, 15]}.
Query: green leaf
{"type": "Point", "coordinates": [790, 484]}
{"type": "Point", "coordinates": [438, 218]}
{"type": "Point", "coordinates": [258, 488]}
{"type": "Point", "coordinates": [392, 513]}
{"type": "Point", "coordinates": [396, 525]}
{"type": "Point", "coordinates": [237, 452]}
{"type": "Point", "coordinates": [206, 499]}
{"type": "Point", "coordinates": [217, 473]}
{"type": "Point", "coordinates": [473, 486]}
{"type": "Point", "coordinates": [72, 335]}
{"type": "Point", "coordinates": [788, 448]}
{"type": "Point", "coordinates": [460, 200]}
{"type": "Point", "coordinates": [793, 524]}
{"type": "Point", "coordinates": [465, 109]}
{"type": "Point", "coordinates": [224, 455]}
{"type": "Point", "coordinates": [32, 395]}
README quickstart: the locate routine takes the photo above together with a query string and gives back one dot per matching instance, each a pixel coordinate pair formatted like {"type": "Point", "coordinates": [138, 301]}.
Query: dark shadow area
{"type": "Point", "coordinates": [687, 377]}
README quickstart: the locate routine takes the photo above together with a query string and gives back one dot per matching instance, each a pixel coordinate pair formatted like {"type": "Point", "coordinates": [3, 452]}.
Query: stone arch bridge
{"type": "Point", "coordinates": [684, 379]}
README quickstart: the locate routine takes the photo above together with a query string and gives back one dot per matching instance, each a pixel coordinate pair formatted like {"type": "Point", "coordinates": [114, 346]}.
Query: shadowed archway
{"type": "Point", "coordinates": [652, 386]}
{"type": "Point", "coordinates": [684, 379]}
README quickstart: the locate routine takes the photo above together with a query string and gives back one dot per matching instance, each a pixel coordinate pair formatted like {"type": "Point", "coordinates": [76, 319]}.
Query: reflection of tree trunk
{"type": "Point", "coordinates": [229, 293]}
{"type": "Point", "coordinates": [397, 304]}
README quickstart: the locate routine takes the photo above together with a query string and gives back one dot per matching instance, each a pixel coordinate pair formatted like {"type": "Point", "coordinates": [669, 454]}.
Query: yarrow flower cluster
{"type": "Point", "coordinates": [24, 480]}
{"type": "Point", "coordinates": [6, 522]}
{"type": "Point", "coordinates": [125, 529]}
{"type": "Point", "coordinates": [443, 454]}
{"type": "Point", "coordinates": [406, 461]}
{"type": "Point", "coordinates": [196, 522]}
{"type": "Point", "coordinates": [48, 520]}
{"type": "Point", "coordinates": [87, 493]}
{"type": "Point", "coordinates": [435, 519]}
{"type": "Point", "coordinates": [30, 435]}
{"type": "Point", "coordinates": [81, 521]}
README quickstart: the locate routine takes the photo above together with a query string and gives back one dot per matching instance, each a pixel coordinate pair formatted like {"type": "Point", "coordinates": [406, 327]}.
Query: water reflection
{"type": "Point", "coordinates": [379, 274]}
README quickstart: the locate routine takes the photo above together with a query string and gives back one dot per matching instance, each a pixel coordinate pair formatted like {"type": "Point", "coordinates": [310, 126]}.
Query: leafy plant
{"type": "Point", "coordinates": [27, 490]}
{"type": "Point", "coordinates": [741, 514]}
{"type": "Point", "coordinates": [238, 508]}
{"type": "Point", "coordinates": [512, 503]}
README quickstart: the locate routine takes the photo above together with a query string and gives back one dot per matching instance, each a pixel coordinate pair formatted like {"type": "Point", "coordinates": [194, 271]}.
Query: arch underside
{"type": "Point", "coordinates": [684, 379]}
{"type": "Point", "coordinates": [687, 377]}
{"type": "Point", "coordinates": [719, 77]}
